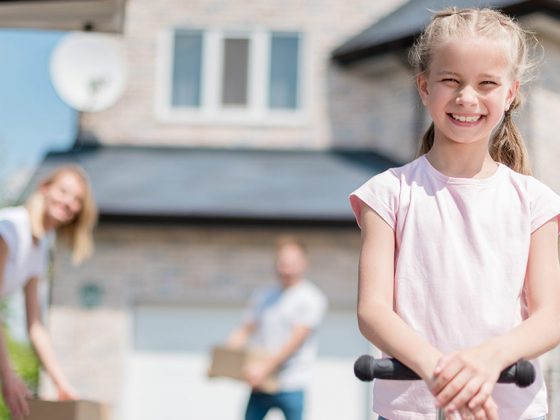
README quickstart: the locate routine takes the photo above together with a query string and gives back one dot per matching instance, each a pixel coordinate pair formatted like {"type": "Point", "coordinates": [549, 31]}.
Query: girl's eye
{"type": "Point", "coordinates": [450, 81]}
{"type": "Point", "coordinates": [488, 83]}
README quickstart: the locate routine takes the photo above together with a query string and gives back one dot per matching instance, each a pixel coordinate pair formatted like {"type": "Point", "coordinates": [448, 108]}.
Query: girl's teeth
{"type": "Point", "coordinates": [463, 118]}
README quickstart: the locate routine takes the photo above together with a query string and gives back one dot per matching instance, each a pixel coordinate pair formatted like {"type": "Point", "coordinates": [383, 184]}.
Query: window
{"type": "Point", "coordinates": [283, 87]}
{"type": "Point", "coordinates": [187, 68]}
{"type": "Point", "coordinates": [235, 72]}
{"type": "Point", "coordinates": [247, 77]}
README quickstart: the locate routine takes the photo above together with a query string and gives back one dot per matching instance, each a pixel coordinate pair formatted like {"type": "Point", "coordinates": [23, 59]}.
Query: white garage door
{"type": "Point", "coordinates": [165, 374]}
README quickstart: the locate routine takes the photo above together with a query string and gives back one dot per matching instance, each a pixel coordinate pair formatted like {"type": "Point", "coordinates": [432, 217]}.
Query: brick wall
{"type": "Point", "coordinates": [204, 264]}
{"type": "Point", "coordinates": [544, 107]}
{"type": "Point", "coordinates": [325, 25]}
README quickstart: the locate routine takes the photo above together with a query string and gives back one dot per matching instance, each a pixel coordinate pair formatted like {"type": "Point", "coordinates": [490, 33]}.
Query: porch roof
{"type": "Point", "coordinates": [222, 184]}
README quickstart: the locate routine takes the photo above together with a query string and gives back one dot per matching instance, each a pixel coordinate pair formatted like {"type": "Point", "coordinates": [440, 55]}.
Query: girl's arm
{"type": "Point", "coordinates": [41, 341]}
{"type": "Point", "coordinates": [468, 376]}
{"type": "Point", "coordinates": [14, 389]}
{"type": "Point", "coordinates": [377, 320]}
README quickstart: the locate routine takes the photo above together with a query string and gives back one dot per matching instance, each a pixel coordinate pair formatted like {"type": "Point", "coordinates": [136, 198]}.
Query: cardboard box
{"type": "Point", "coordinates": [67, 410]}
{"type": "Point", "coordinates": [231, 363]}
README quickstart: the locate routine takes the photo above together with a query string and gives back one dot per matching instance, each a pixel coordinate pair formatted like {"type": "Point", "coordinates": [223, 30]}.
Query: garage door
{"type": "Point", "coordinates": [166, 367]}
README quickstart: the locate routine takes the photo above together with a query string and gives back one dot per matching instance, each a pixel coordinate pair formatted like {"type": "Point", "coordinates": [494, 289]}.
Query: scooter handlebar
{"type": "Point", "coordinates": [366, 368]}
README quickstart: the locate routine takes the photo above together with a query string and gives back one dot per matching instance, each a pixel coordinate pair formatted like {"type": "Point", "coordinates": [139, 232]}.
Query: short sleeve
{"type": "Point", "coordinates": [256, 305]}
{"type": "Point", "coordinates": [545, 204]}
{"type": "Point", "coordinates": [381, 193]}
{"type": "Point", "coordinates": [8, 233]}
{"type": "Point", "coordinates": [312, 313]}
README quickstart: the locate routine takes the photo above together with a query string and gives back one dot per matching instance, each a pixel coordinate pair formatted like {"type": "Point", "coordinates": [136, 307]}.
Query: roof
{"type": "Point", "coordinates": [398, 30]}
{"type": "Point", "coordinates": [179, 184]}
{"type": "Point", "coordinates": [64, 15]}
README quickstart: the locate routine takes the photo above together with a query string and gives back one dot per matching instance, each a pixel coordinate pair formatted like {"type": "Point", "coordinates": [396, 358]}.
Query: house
{"type": "Point", "coordinates": [176, 262]}
{"type": "Point", "coordinates": [242, 121]}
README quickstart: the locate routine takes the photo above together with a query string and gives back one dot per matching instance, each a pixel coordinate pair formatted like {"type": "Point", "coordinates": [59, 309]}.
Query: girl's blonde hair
{"type": "Point", "coordinates": [77, 234]}
{"type": "Point", "coordinates": [506, 145]}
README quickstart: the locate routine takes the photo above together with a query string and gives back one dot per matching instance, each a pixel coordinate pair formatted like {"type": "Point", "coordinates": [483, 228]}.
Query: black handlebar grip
{"type": "Point", "coordinates": [366, 368]}
{"type": "Point", "coordinates": [522, 374]}
{"type": "Point", "coordinates": [363, 368]}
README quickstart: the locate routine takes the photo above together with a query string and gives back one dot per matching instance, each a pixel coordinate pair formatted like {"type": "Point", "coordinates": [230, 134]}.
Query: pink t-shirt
{"type": "Point", "coordinates": [461, 254]}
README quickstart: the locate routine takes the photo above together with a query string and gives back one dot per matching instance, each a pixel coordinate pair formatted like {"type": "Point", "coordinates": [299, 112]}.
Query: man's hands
{"type": "Point", "coordinates": [257, 373]}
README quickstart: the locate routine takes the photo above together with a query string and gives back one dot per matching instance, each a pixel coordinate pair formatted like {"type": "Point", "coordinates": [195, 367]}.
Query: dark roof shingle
{"type": "Point", "coordinates": [222, 184]}
{"type": "Point", "coordinates": [398, 29]}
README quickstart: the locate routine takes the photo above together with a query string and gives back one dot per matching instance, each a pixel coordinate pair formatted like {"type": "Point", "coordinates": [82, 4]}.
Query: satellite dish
{"type": "Point", "coordinates": [88, 71]}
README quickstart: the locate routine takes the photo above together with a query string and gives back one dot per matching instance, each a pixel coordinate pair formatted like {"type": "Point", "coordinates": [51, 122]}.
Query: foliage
{"type": "Point", "coordinates": [25, 363]}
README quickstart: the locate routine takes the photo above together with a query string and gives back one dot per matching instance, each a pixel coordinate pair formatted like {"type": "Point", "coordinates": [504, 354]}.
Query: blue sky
{"type": "Point", "coordinates": [33, 119]}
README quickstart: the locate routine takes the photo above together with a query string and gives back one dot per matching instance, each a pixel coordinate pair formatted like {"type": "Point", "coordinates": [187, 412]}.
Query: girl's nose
{"type": "Point", "coordinates": [467, 96]}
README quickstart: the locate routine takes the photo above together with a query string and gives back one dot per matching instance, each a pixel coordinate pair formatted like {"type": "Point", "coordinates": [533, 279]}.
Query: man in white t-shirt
{"type": "Point", "coordinates": [282, 320]}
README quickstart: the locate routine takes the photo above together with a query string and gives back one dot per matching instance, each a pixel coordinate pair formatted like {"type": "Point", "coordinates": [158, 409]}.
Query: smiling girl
{"type": "Point", "coordinates": [459, 275]}
{"type": "Point", "coordinates": [62, 204]}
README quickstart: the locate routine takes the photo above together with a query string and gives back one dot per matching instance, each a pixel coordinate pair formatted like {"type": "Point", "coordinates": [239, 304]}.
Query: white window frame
{"type": "Point", "coordinates": [210, 111]}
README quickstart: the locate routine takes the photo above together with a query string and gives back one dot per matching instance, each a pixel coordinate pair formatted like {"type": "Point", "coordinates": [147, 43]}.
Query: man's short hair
{"type": "Point", "coordinates": [290, 240]}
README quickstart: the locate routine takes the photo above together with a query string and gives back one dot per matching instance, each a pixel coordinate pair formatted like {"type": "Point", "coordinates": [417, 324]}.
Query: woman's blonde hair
{"type": "Point", "coordinates": [506, 145]}
{"type": "Point", "coordinates": [77, 234]}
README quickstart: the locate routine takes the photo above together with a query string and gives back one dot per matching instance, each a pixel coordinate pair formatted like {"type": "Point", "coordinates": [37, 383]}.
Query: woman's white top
{"type": "Point", "coordinates": [25, 259]}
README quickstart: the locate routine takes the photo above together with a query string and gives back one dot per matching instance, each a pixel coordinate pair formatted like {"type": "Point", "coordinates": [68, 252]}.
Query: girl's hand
{"type": "Point", "coordinates": [465, 380]}
{"type": "Point", "coordinates": [15, 394]}
{"type": "Point", "coordinates": [488, 411]}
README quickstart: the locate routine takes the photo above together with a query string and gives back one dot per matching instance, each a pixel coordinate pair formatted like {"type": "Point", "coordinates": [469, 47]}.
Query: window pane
{"type": "Point", "coordinates": [236, 55]}
{"type": "Point", "coordinates": [187, 66]}
{"type": "Point", "coordinates": [284, 64]}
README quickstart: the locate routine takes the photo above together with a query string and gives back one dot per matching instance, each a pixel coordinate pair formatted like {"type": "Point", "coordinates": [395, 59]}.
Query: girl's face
{"type": "Point", "coordinates": [467, 89]}
{"type": "Point", "coordinates": [64, 199]}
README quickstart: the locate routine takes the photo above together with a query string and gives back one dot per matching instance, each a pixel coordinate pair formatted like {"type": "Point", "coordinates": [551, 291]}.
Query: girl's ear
{"type": "Point", "coordinates": [422, 86]}
{"type": "Point", "coordinates": [512, 93]}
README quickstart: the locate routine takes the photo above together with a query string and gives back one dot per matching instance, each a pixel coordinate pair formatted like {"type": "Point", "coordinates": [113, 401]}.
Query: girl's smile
{"type": "Point", "coordinates": [466, 120]}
